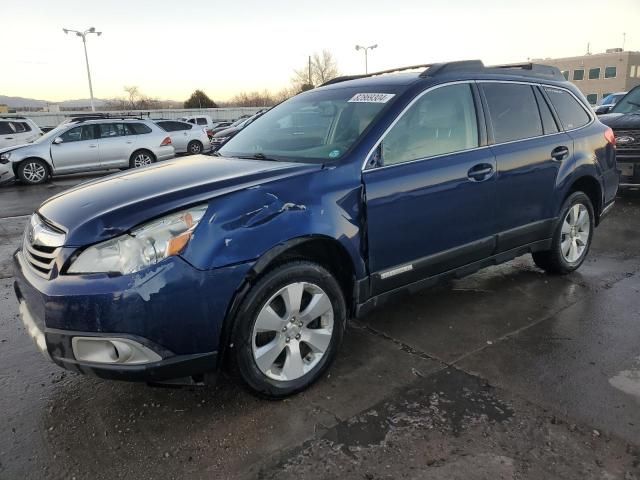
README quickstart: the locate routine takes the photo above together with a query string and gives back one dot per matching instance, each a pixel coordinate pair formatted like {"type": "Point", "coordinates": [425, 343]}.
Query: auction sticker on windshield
{"type": "Point", "coordinates": [372, 97]}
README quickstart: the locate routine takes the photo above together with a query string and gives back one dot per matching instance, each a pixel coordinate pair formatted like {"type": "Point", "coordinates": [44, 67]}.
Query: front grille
{"type": "Point", "coordinates": [40, 258]}
{"type": "Point", "coordinates": [631, 150]}
{"type": "Point", "coordinates": [41, 245]}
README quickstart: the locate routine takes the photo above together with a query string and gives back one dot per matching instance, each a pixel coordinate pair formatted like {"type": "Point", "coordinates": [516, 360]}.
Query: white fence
{"type": "Point", "coordinates": [48, 119]}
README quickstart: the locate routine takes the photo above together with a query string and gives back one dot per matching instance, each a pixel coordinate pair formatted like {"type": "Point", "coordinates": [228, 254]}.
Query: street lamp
{"type": "Point", "coordinates": [86, 57]}
{"type": "Point", "coordinates": [366, 49]}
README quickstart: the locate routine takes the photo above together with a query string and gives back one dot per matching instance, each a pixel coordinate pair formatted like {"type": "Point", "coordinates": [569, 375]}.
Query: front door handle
{"type": "Point", "coordinates": [480, 172]}
{"type": "Point", "coordinates": [560, 153]}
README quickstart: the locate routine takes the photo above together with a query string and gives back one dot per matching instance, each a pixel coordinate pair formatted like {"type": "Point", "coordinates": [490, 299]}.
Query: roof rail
{"type": "Point", "coordinates": [374, 74]}
{"type": "Point", "coordinates": [84, 117]}
{"type": "Point", "coordinates": [434, 69]}
{"type": "Point", "coordinates": [17, 117]}
{"type": "Point", "coordinates": [527, 68]}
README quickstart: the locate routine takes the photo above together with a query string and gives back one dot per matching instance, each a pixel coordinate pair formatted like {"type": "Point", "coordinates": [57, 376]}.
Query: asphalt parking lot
{"type": "Point", "coordinates": [509, 373]}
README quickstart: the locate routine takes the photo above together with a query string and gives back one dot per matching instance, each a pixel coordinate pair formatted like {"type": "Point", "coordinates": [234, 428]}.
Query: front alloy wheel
{"type": "Point", "coordinates": [293, 331]}
{"type": "Point", "coordinates": [288, 329]}
{"type": "Point", "coordinates": [33, 171]}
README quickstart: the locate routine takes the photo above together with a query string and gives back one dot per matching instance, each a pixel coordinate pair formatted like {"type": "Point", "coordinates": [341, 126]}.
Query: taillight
{"type": "Point", "coordinates": [610, 136]}
{"type": "Point", "coordinates": [166, 141]}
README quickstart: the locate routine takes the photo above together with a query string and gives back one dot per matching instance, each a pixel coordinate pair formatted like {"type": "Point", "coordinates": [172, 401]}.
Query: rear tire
{"type": "Point", "coordinates": [195, 147]}
{"type": "Point", "coordinates": [33, 171]}
{"type": "Point", "coordinates": [571, 239]}
{"type": "Point", "coordinates": [288, 329]}
{"type": "Point", "coordinates": [141, 158]}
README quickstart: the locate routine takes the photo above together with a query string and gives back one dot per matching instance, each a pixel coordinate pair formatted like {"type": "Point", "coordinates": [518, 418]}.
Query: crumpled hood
{"type": "Point", "coordinates": [14, 147]}
{"type": "Point", "coordinates": [103, 208]}
{"type": "Point", "coordinates": [621, 120]}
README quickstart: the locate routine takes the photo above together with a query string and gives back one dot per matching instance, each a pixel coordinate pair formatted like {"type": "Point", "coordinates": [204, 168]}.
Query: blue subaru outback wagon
{"type": "Point", "coordinates": [330, 204]}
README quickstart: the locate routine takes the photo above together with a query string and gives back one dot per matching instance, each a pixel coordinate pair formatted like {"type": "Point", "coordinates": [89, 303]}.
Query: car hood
{"type": "Point", "coordinates": [621, 120]}
{"type": "Point", "coordinates": [14, 147]}
{"type": "Point", "coordinates": [103, 208]}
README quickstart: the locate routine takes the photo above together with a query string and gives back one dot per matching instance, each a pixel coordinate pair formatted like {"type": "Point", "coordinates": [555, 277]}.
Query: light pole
{"type": "Point", "coordinates": [366, 50]}
{"type": "Point", "coordinates": [86, 57]}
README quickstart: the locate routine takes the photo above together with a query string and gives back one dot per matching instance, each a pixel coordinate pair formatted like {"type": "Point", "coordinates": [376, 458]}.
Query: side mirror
{"type": "Point", "coordinates": [57, 140]}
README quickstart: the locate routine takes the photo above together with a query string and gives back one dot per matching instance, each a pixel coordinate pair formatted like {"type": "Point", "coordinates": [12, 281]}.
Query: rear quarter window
{"type": "Point", "coordinates": [572, 114]}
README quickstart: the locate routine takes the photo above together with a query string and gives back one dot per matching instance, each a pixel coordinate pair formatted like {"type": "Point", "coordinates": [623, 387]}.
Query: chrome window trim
{"type": "Point", "coordinates": [364, 168]}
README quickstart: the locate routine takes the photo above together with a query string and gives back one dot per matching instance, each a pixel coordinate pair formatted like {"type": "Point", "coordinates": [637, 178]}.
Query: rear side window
{"type": "Point", "coordinates": [442, 121]}
{"type": "Point", "coordinates": [5, 128]}
{"type": "Point", "coordinates": [192, 120]}
{"type": "Point", "coordinates": [138, 128]}
{"type": "Point", "coordinates": [21, 127]}
{"type": "Point", "coordinates": [513, 111]}
{"type": "Point", "coordinates": [108, 130]}
{"type": "Point", "coordinates": [179, 126]}
{"type": "Point", "coordinates": [549, 124]}
{"type": "Point", "coordinates": [571, 113]}
{"type": "Point", "coordinates": [202, 121]}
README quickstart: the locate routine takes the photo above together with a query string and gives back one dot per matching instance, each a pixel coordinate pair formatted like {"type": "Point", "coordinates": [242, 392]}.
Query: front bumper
{"type": "Point", "coordinates": [172, 309]}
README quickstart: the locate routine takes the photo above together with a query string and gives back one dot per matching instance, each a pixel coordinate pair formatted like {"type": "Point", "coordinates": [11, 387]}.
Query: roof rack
{"type": "Point", "coordinates": [435, 69]}
{"type": "Point", "coordinates": [17, 117]}
{"type": "Point", "coordinates": [84, 117]}
{"type": "Point", "coordinates": [374, 74]}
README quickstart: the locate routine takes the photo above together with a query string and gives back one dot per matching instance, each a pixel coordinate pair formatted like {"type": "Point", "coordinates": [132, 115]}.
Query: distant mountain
{"type": "Point", "coordinates": [21, 102]}
{"type": "Point", "coordinates": [33, 103]}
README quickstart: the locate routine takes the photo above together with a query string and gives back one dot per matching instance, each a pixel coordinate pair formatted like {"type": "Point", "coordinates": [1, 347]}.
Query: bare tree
{"type": "Point", "coordinates": [324, 67]}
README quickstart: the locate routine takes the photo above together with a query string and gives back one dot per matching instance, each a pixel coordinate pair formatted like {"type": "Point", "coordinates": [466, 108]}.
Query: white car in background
{"type": "Point", "coordinates": [203, 121]}
{"type": "Point", "coordinates": [186, 137]}
{"type": "Point", "coordinates": [18, 131]}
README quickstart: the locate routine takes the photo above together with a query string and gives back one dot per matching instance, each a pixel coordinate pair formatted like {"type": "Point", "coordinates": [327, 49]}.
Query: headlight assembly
{"type": "Point", "coordinates": [143, 247]}
{"type": "Point", "coordinates": [4, 157]}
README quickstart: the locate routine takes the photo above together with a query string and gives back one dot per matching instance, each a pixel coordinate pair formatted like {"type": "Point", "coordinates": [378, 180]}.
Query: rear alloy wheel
{"type": "Point", "coordinates": [572, 237]}
{"type": "Point", "coordinates": [194, 147]}
{"type": "Point", "coordinates": [288, 329]}
{"type": "Point", "coordinates": [141, 158]}
{"type": "Point", "coordinates": [33, 171]}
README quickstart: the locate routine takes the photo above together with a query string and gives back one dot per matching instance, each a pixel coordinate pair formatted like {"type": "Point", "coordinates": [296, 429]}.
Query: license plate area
{"type": "Point", "coordinates": [626, 169]}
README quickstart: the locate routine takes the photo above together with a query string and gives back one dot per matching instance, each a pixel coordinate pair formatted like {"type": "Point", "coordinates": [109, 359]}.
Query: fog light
{"type": "Point", "coordinates": [121, 351]}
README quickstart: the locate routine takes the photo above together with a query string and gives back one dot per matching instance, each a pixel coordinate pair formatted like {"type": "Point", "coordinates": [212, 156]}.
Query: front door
{"type": "Point", "coordinates": [430, 191]}
{"type": "Point", "coordinates": [78, 150]}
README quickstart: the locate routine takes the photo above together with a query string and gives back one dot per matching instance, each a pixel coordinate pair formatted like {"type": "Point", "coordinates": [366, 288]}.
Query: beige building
{"type": "Point", "coordinates": [600, 74]}
{"type": "Point", "coordinates": [4, 108]}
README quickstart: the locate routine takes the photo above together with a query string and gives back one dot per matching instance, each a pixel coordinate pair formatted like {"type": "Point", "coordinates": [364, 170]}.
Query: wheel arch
{"type": "Point", "coordinates": [590, 186]}
{"type": "Point", "coordinates": [323, 250]}
{"type": "Point", "coordinates": [16, 165]}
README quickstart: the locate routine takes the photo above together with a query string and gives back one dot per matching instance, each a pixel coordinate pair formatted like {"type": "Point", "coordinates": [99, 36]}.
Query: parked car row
{"type": "Point", "coordinates": [17, 130]}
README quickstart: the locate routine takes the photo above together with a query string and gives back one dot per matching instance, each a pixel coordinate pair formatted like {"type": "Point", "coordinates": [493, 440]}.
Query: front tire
{"type": "Point", "coordinates": [195, 147]}
{"type": "Point", "coordinates": [572, 237]}
{"type": "Point", "coordinates": [141, 158]}
{"type": "Point", "coordinates": [288, 329]}
{"type": "Point", "coordinates": [33, 171]}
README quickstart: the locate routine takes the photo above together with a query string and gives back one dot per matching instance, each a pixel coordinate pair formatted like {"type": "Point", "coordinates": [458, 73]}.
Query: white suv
{"type": "Point", "coordinates": [85, 144]}
{"type": "Point", "coordinates": [18, 131]}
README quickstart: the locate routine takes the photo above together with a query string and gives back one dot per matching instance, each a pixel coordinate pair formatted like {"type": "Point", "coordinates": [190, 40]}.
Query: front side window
{"type": "Point", "coordinates": [316, 127]}
{"type": "Point", "coordinates": [572, 114]}
{"type": "Point", "coordinates": [442, 121]}
{"type": "Point", "coordinates": [610, 72]}
{"type": "Point", "coordinates": [594, 73]}
{"type": "Point", "coordinates": [578, 74]}
{"type": "Point", "coordinates": [629, 103]}
{"type": "Point", "coordinates": [513, 111]}
{"type": "Point", "coordinates": [77, 134]}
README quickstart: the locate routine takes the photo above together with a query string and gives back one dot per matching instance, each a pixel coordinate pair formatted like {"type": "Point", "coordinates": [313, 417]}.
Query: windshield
{"type": "Point", "coordinates": [51, 134]}
{"type": "Point", "coordinates": [315, 126]}
{"type": "Point", "coordinates": [629, 103]}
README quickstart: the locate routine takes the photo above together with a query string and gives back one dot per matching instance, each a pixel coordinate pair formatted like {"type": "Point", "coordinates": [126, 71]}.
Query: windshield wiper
{"type": "Point", "coordinates": [259, 156]}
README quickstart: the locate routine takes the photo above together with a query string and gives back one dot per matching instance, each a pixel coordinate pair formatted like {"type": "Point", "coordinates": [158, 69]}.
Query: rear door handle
{"type": "Point", "coordinates": [93, 146]}
{"type": "Point", "coordinates": [480, 172]}
{"type": "Point", "coordinates": [560, 153]}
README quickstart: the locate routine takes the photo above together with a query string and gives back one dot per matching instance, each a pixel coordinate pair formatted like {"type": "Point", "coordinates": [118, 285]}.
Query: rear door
{"type": "Point", "coordinates": [115, 145]}
{"type": "Point", "coordinates": [529, 147]}
{"type": "Point", "coordinates": [78, 150]}
{"type": "Point", "coordinates": [430, 190]}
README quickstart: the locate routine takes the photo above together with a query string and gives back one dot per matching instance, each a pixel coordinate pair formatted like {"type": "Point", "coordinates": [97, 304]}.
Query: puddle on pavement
{"type": "Point", "coordinates": [628, 381]}
{"type": "Point", "coordinates": [449, 400]}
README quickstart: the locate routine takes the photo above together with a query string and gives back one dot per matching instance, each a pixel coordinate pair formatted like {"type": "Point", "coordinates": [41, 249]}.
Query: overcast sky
{"type": "Point", "coordinates": [168, 48]}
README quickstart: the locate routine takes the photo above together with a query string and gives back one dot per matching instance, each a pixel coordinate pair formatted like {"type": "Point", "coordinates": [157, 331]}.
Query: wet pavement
{"type": "Point", "coordinates": [509, 373]}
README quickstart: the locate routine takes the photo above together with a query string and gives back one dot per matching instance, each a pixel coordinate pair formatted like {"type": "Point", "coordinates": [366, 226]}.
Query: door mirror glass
{"type": "Point", "coordinates": [57, 140]}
